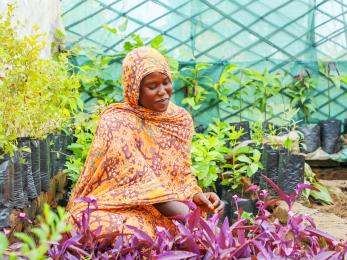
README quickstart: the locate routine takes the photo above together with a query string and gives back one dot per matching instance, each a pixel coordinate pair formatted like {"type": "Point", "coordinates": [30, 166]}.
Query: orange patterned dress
{"type": "Point", "coordinates": [138, 157]}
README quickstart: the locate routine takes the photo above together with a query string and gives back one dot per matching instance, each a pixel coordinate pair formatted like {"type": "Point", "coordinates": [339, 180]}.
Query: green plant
{"type": "Point", "coordinates": [300, 92]}
{"type": "Point", "coordinates": [332, 74]}
{"type": "Point", "coordinates": [38, 96]}
{"type": "Point", "coordinates": [84, 129]}
{"type": "Point", "coordinates": [244, 161]}
{"type": "Point", "coordinates": [209, 153]}
{"type": "Point", "coordinates": [195, 82]}
{"type": "Point", "coordinates": [322, 195]}
{"type": "Point", "coordinates": [233, 82]}
{"type": "Point", "coordinates": [264, 87]}
{"type": "Point", "coordinates": [52, 226]}
{"type": "Point", "coordinates": [208, 157]}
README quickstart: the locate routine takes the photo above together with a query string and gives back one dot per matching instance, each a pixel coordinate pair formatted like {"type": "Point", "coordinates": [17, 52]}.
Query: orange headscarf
{"type": "Point", "coordinates": [138, 157]}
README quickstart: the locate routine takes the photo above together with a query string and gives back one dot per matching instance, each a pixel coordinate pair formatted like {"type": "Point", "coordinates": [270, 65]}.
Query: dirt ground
{"type": "Point", "coordinates": [338, 191]}
{"type": "Point", "coordinates": [331, 218]}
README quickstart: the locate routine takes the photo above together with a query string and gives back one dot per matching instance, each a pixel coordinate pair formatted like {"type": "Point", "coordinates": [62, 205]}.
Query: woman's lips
{"type": "Point", "coordinates": [164, 100]}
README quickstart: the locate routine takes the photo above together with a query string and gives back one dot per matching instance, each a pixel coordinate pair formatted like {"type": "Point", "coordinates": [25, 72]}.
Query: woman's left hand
{"type": "Point", "coordinates": [209, 202]}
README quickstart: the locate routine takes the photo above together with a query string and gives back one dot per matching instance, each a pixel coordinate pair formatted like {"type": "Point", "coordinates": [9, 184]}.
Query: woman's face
{"type": "Point", "coordinates": [155, 92]}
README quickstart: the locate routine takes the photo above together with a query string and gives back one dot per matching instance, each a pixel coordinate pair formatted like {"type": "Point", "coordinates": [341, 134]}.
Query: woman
{"type": "Point", "coordinates": [138, 167]}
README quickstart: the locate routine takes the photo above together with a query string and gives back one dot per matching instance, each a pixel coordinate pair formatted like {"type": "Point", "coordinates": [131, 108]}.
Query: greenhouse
{"type": "Point", "coordinates": [187, 129]}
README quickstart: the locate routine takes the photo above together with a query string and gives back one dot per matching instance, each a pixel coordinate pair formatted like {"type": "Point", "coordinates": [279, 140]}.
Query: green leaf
{"type": "Point", "coordinates": [322, 195]}
{"type": "Point", "coordinates": [3, 243]}
{"type": "Point", "coordinates": [26, 239]}
{"type": "Point", "coordinates": [244, 158]}
{"type": "Point", "coordinates": [157, 42]}
{"type": "Point", "coordinates": [110, 29]}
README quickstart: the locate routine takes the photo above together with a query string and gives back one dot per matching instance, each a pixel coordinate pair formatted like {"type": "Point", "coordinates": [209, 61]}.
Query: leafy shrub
{"type": "Point", "coordinates": [37, 95]}
{"type": "Point", "coordinates": [195, 238]}
{"type": "Point", "coordinates": [209, 153]}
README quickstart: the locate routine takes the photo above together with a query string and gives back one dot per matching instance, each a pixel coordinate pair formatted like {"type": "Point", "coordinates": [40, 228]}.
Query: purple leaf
{"type": "Point", "coordinates": [141, 235]}
{"type": "Point", "coordinates": [325, 255]}
{"type": "Point", "coordinates": [323, 234]}
{"type": "Point", "coordinates": [252, 188]}
{"type": "Point", "coordinates": [261, 249]}
{"type": "Point", "coordinates": [194, 219]}
{"type": "Point", "coordinates": [174, 255]}
{"type": "Point", "coordinates": [284, 196]}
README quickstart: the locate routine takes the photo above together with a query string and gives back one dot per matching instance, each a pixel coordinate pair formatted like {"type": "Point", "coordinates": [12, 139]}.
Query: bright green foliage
{"type": "Point", "coordinates": [37, 95]}
{"type": "Point", "coordinates": [35, 246]}
{"type": "Point", "coordinates": [245, 162]}
{"type": "Point", "coordinates": [233, 85]}
{"type": "Point", "coordinates": [300, 92]}
{"type": "Point", "coordinates": [85, 127]}
{"type": "Point", "coordinates": [209, 153]}
{"type": "Point", "coordinates": [323, 195]}
{"type": "Point", "coordinates": [196, 92]}
{"type": "Point", "coordinates": [264, 86]}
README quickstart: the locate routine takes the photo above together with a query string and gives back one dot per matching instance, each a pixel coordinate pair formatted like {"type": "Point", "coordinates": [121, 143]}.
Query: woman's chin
{"type": "Point", "coordinates": [161, 107]}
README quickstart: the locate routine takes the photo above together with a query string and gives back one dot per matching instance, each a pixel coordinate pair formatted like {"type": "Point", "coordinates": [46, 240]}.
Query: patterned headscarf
{"type": "Point", "coordinates": [138, 157]}
{"type": "Point", "coordinates": [137, 64]}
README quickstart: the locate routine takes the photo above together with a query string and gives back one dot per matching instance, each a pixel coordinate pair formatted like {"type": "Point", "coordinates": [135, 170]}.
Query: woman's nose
{"type": "Point", "coordinates": [161, 90]}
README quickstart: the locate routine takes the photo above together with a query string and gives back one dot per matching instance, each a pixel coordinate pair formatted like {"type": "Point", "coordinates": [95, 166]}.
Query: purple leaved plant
{"type": "Point", "coordinates": [199, 238]}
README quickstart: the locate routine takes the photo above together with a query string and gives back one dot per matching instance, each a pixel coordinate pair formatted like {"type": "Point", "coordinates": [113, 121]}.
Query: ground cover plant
{"type": "Point", "coordinates": [195, 237]}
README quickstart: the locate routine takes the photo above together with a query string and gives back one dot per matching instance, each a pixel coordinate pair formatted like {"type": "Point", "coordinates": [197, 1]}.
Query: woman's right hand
{"type": "Point", "coordinates": [209, 202]}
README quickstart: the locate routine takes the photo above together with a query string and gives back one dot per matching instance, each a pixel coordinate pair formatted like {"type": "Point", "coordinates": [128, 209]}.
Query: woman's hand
{"type": "Point", "coordinates": [209, 202]}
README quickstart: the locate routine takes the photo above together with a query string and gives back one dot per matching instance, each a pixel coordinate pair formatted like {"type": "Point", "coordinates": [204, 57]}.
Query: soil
{"type": "Point", "coordinates": [331, 219]}
{"type": "Point", "coordinates": [338, 191]}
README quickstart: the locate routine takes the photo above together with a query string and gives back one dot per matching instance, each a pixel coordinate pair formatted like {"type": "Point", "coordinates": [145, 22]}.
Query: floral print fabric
{"type": "Point", "coordinates": [138, 157]}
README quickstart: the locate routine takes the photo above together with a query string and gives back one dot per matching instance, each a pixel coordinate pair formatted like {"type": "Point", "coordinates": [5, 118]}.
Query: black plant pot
{"type": "Point", "coordinates": [270, 159]}
{"type": "Point", "coordinates": [227, 198]}
{"type": "Point", "coordinates": [45, 165]}
{"type": "Point", "coordinates": [345, 127]}
{"type": "Point", "coordinates": [4, 217]}
{"type": "Point", "coordinates": [330, 135]}
{"type": "Point", "coordinates": [16, 199]}
{"type": "Point", "coordinates": [255, 179]}
{"type": "Point", "coordinates": [6, 169]}
{"type": "Point", "coordinates": [55, 148]}
{"type": "Point", "coordinates": [291, 171]}
{"type": "Point", "coordinates": [248, 205]}
{"type": "Point", "coordinates": [200, 129]}
{"type": "Point", "coordinates": [27, 174]}
{"type": "Point", "coordinates": [311, 133]}
{"type": "Point", "coordinates": [35, 164]}
{"type": "Point", "coordinates": [66, 141]}
{"type": "Point", "coordinates": [246, 129]}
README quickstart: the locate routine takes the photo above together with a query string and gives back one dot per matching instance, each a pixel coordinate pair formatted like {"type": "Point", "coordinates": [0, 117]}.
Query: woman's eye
{"type": "Point", "coordinates": [152, 86]}
{"type": "Point", "coordinates": [166, 82]}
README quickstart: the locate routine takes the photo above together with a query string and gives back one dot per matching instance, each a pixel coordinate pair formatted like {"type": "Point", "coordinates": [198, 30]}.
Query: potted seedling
{"type": "Point", "coordinates": [195, 81]}
{"type": "Point", "coordinates": [300, 93]}
{"type": "Point", "coordinates": [330, 128]}
{"type": "Point", "coordinates": [264, 86]}
{"type": "Point", "coordinates": [232, 84]}
{"type": "Point", "coordinates": [243, 163]}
